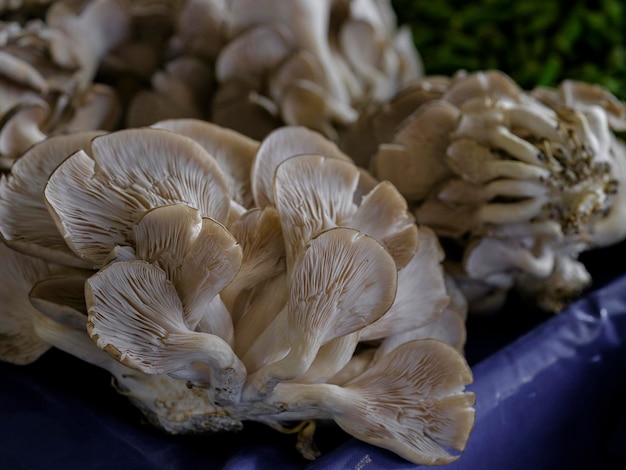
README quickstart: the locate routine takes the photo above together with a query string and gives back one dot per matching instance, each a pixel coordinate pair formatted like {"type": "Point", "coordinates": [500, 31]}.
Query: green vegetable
{"type": "Point", "coordinates": [536, 42]}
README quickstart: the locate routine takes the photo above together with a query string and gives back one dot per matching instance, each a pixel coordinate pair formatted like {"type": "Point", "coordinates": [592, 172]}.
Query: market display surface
{"type": "Point", "coordinates": [258, 214]}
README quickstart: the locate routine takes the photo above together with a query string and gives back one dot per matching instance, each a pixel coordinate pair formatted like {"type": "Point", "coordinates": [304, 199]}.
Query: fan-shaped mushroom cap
{"type": "Point", "coordinates": [95, 200]}
{"type": "Point", "coordinates": [279, 146]}
{"type": "Point", "coordinates": [259, 234]}
{"type": "Point", "coordinates": [449, 327]}
{"type": "Point", "coordinates": [199, 256]}
{"type": "Point", "coordinates": [25, 223]}
{"type": "Point", "coordinates": [19, 343]}
{"type": "Point", "coordinates": [314, 193]}
{"type": "Point", "coordinates": [342, 282]}
{"type": "Point", "coordinates": [422, 381]}
{"type": "Point", "coordinates": [135, 314]}
{"type": "Point", "coordinates": [166, 402]}
{"type": "Point", "coordinates": [234, 152]}
{"type": "Point", "coordinates": [421, 296]}
{"type": "Point", "coordinates": [98, 108]}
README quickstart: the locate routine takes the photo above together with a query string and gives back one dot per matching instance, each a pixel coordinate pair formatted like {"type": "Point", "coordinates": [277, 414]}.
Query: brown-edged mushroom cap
{"type": "Point", "coordinates": [259, 234]}
{"type": "Point", "coordinates": [342, 282]}
{"type": "Point", "coordinates": [234, 152]}
{"type": "Point", "coordinates": [135, 315]}
{"type": "Point", "coordinates": [449, 327]}
{"type": "Point", "coordinates": [199, 256]}
{"type": "Point", "coordinates": [95, 200]}
{"type": "Point", "coordinates": [25, 223]}
{"type": "Point", "coordinates": [277, 147]}
{"type": "Point", "coordinates": [313, 193]}
{"type": "Point", "coordinates": [19, 344]}
{"type": "Point", "coordinates": [411, 401]}
{"type": "Point", "coordinates": [421, 296]}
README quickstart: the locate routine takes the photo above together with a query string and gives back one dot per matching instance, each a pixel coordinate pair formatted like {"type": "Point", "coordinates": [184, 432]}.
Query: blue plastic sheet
{"type": "Point", "coordinates": [552, 399]}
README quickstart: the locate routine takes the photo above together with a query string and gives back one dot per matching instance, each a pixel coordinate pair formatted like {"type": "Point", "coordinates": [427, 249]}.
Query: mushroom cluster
{"type": "Point", "coordinates": [516, 183]}
{"type": "Point", "coordinates": [313, 63]}
{"type": "Point", "coordinates": [47, 70]}
{"type": "Point", "coordinates": [221, 279]}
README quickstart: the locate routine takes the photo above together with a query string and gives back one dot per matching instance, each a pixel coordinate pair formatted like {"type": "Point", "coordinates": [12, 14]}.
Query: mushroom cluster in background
{"type": "Point", "coordinates": [302, 62]}
{"type": "Point", "coordinates": [516, 183]}
{"type": "Point", "coordinates": [47, 70]}
{"type": "Point", "coordinates": [263, 210]}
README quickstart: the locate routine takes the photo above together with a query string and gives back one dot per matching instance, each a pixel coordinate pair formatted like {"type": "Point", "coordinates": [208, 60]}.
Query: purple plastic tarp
{"type": "Point", "coordinates": [552, 399]}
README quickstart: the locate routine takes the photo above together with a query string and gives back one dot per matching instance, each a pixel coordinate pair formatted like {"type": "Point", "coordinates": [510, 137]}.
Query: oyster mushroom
{"type": "Point", "coordinates": [301, 65]}
{"type": "Point", "coordinates": [234, 152]}
{"type": "Point", "coordinates": [314, 193]}
{"type": "Point", "coordinates": [204, 319]}
{"type": "Point", "coordinates": [490, 167]}
{"type": "Point", "coordinates": [143, 326]}
{"type": "Point", "coordinates": [129, 172]}
{"type": "Point", "coordinates": [25, 223]}
{"type": "Point", "coordinates": [422, 380]}
{"type": "Point", "coordinates": [342, 282]}
{"type": "Point", "coordinates": [19, 344]}
{"type": "Point", "coordinates": [47, 72]}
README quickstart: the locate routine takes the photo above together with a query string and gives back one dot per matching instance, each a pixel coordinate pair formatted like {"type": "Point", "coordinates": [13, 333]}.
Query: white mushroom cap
{"type": "Point", "coordinates": [135, 315]}
{"type": "Point", "coordinates": [314, 193]}
{"type": "Point", "coordinates": [199, 256]}
{"type": "Point", "coordinates": [166, 402]}
{"type": "Point", "coordinates": [259, 234]}
{"type": "Point", "coordinates": [19, 344]}
{"type": "Point", "coordinates": [342, 282]}
{"type": "Point", "coordinates": [251, 56]}
{"type": "Point", "coordinates": [421, 296]}
{"type": "Point", "coordinates": [279, 146]}
{"type": "Point", "coordinates": [21, 128]}
{"type": "Point", "coordinates": [308, 23]}
{"type": "Point", "coordinates": [233, 152]}
{"type": "Point", "coordinates": [449, 327]}
{"type": "Point", "coordinates": [95, 200]}
{"type": "Point", "coordinates": [422, 381]}
{"type": "Point", "coordinates": [25, 223]}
